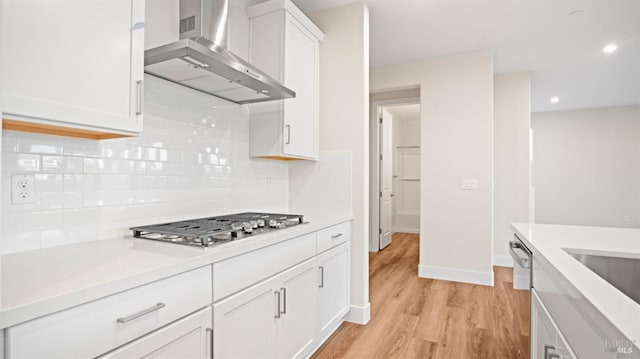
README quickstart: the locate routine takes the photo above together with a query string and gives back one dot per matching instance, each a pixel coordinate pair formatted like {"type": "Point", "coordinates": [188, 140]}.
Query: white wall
{"type": "Point", "coordinates": [192, 160]}
{"type": "Point", "coordinates": [586, 166]}
{"type": "Point", "coordinates": [344, 84]}
{"type": "Point", "coordinates": [512, 121]}
{"type": "Point", "coordinates": [456, 95]}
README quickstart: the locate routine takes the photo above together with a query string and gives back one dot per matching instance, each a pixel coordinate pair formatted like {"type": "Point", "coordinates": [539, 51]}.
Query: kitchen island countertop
{"type": "Point", "coordinates": [40, 282]}
{"type": "Point", "coordinates": [550, 241]}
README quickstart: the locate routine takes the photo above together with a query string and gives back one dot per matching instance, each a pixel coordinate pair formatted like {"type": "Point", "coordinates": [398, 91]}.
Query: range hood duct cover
{"type": "Point", "coordinates": [200, 59]}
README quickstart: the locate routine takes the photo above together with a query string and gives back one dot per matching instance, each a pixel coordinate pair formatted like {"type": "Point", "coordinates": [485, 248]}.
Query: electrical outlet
{"type": "Point", "coordinates": [22, 189]}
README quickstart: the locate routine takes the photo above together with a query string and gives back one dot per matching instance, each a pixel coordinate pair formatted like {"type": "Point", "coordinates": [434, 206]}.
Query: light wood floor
{"type": "Point", "coordinates": [415, 317]}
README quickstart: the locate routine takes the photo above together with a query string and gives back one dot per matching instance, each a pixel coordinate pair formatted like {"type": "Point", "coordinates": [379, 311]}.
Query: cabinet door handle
{"type": "Point", "coordinates": [141, 313]}
{"type": "Point", "coordinates": [138, 97]}
{"type": "Point", "coordinates": [336, 236]}
{"type": "Point", "coordinates": [288, 134]}
{"type": "Point", "coordinates": [321, 277]}
{"type": "Point", "coordinates": [547, 350]}
{"type": "Point", "coordinates": [284, 300]}
{"type": "Point", "coordinates": [277, 294]}
{"type": "Point", "coordinates": [210, 334]}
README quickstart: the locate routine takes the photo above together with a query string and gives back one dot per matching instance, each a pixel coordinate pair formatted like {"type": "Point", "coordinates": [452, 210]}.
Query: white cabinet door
{"type": "Point", "coordinates": [300, 74]}
{"type": "Point", "coordinates": [75, 64]}
{"type": "Point", "coordinates": [188, 338]}
{"type": "Point", "coordinates": [273, 319]}
{"type": "Point", "coordinates": [285, 44]}
{"type": "Point", "coordinates": [296, 325]}
{"type": "Point", "coordinates": [244, 324]}
{"type": "Point", "coordinates": [543, 333]}
{"type": "Point", "coordinates": [332, 289]}
{"type": "Point", "coordinates": [546, 340]}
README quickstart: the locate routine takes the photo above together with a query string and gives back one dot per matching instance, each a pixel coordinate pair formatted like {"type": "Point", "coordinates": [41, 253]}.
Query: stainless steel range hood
{"type": "Point", "coordinates": [200, 59]}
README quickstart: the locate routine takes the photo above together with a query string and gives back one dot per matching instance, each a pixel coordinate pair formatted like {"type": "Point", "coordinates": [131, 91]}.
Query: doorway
{"type": "Point", "coordinates": [395, 170]}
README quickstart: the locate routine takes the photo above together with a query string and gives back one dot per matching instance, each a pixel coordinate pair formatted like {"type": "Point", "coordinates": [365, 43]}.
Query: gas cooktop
{"type": "Point", "coordinates": [205, 232]}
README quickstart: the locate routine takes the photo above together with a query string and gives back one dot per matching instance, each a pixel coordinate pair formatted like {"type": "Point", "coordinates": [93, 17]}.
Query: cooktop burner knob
{"type": "Point", "coordinates": [260, 223]}
{"type": "Point", "coordinates": [273, 223]}
{"type": "Point", "coordinates": [247, 227]}
{"type": "Point", "coordinates": [254, 224]}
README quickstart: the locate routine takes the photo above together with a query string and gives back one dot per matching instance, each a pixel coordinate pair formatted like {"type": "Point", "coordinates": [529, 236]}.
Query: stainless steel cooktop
{"type": "Point", "coordinates": [205, 232]}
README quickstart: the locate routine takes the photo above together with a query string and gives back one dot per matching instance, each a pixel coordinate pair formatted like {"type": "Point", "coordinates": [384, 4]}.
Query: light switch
{"type": "Point", "coordinates": [469, 184]}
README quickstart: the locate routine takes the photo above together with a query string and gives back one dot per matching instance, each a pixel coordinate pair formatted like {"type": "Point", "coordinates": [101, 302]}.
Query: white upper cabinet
{"type": "Point", "coordinates": [284, 43]}
{"type": "Point", "coordinates": [74, 66]}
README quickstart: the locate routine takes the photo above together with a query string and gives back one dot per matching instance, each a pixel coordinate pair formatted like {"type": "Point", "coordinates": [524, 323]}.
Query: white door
{"type": "Point", "coordinates": [244, 324]}
{"type": "Point", "coordinates": [386, 178]}
{"type": "Point", "coordinates": [333, 288]}
{"type": "Point", "coordinates": [296, 325]}
{"type": "Point", "coordinates": [188, 338]}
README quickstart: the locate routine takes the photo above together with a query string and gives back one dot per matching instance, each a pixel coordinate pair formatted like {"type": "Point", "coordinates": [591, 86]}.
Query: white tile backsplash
{"type": "Point", "coordinates": [192, 160]}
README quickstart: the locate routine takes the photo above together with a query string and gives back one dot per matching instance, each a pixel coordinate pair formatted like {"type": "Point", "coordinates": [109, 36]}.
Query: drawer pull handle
{"type": "Point", "coordinates": [321, 277]}
{"type": "Point", "coordinates": [336, 236]}
{"type": "Point", "coordinates": [288, 134]}
{"type": "Point", "coordinates": [284, 300]}
{"type": "Point", "coordinates": [277, 294]}
{"type": "Point", "coordinates": [547, 351]}
{"type": "Point", "coordinates": [141, 313]}
{"type": "Point", "coordinates": [139, 98]}
{"type": "Point", "coordinates": [210, 334]}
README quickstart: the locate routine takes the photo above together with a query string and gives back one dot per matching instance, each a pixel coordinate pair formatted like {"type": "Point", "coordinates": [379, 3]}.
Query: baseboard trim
{"type": "Point", "coordinates": [359, 314]}
{"type": "Point", "coordinates": [455, 275]}
{"type": "Point", "coordinates": [409, 230]}
{"type": "Point", "coordinates": [503, 261]}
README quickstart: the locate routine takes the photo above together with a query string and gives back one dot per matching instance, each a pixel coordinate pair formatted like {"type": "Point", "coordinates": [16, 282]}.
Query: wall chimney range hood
{"type": "Point", "coordinates": [200, 59]}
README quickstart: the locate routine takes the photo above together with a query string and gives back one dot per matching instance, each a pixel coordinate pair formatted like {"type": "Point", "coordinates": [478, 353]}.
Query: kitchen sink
{"type": "Point", "coordinates": [621, 272]}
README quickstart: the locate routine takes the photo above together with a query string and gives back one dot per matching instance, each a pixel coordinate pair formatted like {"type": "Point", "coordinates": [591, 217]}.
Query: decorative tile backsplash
{"type": "Point", "coordinates": [192, 160]}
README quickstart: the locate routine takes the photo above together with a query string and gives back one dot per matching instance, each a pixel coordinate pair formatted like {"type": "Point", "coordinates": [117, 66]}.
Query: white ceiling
{"type": "Point", "coordinates": [562, 52]}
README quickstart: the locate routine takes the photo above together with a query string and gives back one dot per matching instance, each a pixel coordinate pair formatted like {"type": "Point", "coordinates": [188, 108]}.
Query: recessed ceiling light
{"type": "Point", "coordinates": [576, 13]}
{"type": "Point", "coordinates": [555, 99]}
{"type": "Point", "coordinates": [610, 48]}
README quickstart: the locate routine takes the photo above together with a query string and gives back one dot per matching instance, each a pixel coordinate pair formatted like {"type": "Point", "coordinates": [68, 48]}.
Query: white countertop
{"type": "Point", "coordinates": [549, 241]}
{"type": "Point", "coordinates": [40, 282]}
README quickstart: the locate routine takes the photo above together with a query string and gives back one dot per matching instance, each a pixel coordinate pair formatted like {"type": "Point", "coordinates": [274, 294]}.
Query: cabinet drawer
{"type": "Point", "coordinates": [234, 274]}
{"type": "Point", "coordinates": [94, 328]}
{"type": "Point", "coordinates": [334, 235]}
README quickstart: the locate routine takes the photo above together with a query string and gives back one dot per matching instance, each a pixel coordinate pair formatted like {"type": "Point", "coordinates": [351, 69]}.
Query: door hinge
{"type": "Point", "coordinates": [379, 230]}
{"type": "Point", "coordinates": [380, 157]}
{"type": "Point", "coordinates": [380, 119]}
{"type": "Point", "coordinates": [380, 194]}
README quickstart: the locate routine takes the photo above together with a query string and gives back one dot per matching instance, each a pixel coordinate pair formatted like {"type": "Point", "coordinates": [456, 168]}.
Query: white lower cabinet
{"type": "Point", "coordinates": [92, 329]}
{"type": "Point", "coordinates": [547, 341]}
{"type": "Point", "coordinates": [188, 338]}
{"type": "Point", "coordinates": [333, 289]}
{"type": "Point", "coordinates": [273, 319]}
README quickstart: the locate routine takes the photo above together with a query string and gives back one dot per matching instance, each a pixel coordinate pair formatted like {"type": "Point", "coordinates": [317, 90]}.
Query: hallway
{"type": "Point", "coordinates": [415, 317]}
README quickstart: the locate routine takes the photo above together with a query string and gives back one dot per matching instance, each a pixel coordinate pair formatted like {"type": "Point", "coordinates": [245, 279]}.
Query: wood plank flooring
{"type": "Point", "coordinates": [414, 317]}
